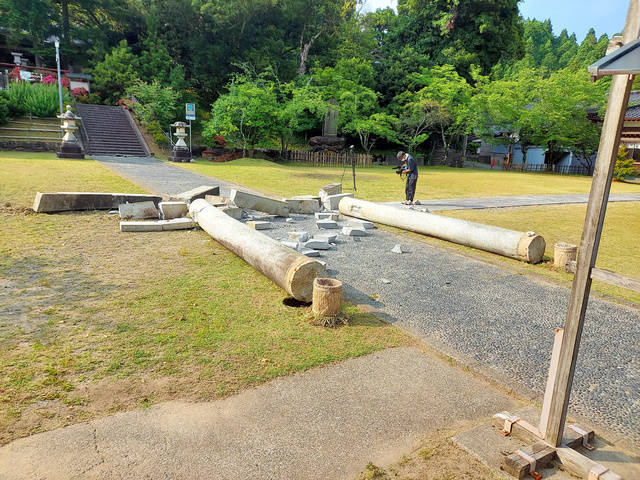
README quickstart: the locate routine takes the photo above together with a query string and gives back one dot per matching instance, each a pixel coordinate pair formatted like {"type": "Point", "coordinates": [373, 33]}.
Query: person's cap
{"type": "Point", "coordinates": [400, 155]}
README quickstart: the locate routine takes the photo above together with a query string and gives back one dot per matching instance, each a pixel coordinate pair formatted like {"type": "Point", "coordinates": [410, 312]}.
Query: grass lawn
{"type": "Point", "coordinates": [382, 184]}
{"type": "Point", "coordinates": [93, 321]}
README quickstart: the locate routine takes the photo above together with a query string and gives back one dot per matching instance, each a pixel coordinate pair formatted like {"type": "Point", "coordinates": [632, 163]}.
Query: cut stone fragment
{"type": "Point", "coordinates": [316, 244]}
{"type": "Point", "coordinates": [331, 189]}
{"type": "Point", "coordinates": [299, 236]}
{"type": "Point", "coordinates": [327, 224]}
{"type": "Point", "coordinates": [290, 244]}
{"type": "Point", "coordinates": [138, 211]}
{"type": "Point", "coordinates": [177, 224]}
{"type": "Point", "coordinates": [289, 220]}
{"type": "Point", "coordinates": [327, 216]}
{"type": "Point", "coordinates": [355, 222]}
{"type": "Point", "coordinates": [354, 232]}
{"type": "Point", "coordinates": [258, 225]}
{"type": "Point", "coordinates": [217, 200]}
{"type": "Point", "coordinates": [233, 212]}
{"type": "Point", "coordinates": [308, 252]}
{"type": "Point", "coordinates": [384, 280]}
{"type": "Point", "coordinates": [332, 202]}
{"type": "Point", "coordinates": [397, 249]}
{"type": "Point", "coordinates": [65, 201]}
{"type": "Point", "coordinates": [140, 226]}
{"type": "Point", "coordinates": [196, 193]}
{"type": "Point", "coordinates": [171, 210]}
{"type": "Point", "coordinates": [329, 237]}
{"type": "Point", "coordinates": [303, 205]}
{"type": "Point", "coordinates": [258, 202]}
{"type": "Point", "coordinates": [324, 264]}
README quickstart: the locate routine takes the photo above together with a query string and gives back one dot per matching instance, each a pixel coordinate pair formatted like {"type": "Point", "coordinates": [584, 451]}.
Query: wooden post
{"type": "Point", "coordinates": [587, 253]}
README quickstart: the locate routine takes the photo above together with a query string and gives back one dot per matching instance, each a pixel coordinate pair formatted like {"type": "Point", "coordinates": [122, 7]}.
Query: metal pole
{"type": "Point", "coordinates": [190, 137]}
{"type": "Point", "coordinates": [353, 166]}
{"type": "Point", "coordinates": [57, 44]}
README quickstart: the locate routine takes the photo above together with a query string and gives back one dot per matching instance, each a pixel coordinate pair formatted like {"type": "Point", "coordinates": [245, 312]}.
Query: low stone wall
{"type": "Point", "coordinates": [13, 145]}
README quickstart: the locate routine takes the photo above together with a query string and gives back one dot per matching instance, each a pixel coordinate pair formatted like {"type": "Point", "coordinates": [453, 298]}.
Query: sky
{"type": "Point", "coordinates": [577, 16]}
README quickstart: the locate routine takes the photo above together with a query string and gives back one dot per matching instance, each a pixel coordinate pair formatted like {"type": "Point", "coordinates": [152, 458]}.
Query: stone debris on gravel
{"type": "Point", "coordinates": [327, 216]}
{"type": "Point", "coordinates": [331, 202]}
{"type": "Point", "coordinates": [397, 248]}
{"type": "Point", "coordinates": [316, 244]}
{"type": "Point", "coordinates": [384, 280]}
{"type": "Point", "coordinates": [356, 222]}
{"type": "Point", "coordinates": [233, 212]}
{"type": "Point", "coordinates": [354, 232]}
{"type": "Point", "coordinates": [258, 225]}
{"type": "Point", "coordinates": [309, 252]}
{"type": "Point", "coordinates": [329, 237]}
{"type": "Point", "coordinates": [138, 210]}
{"type": "Point", "coordinates": [299, 236]}
{"type": "Point", "coordinates": [169, 210]}
{"type": "Point", "coordinates": [327, 224]}
{"type": "Point", "coordinates": [290, 244]}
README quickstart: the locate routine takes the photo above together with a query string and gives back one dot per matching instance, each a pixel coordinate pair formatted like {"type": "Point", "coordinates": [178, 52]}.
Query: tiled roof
{"type": "Point", "coordinates": [633, 113]}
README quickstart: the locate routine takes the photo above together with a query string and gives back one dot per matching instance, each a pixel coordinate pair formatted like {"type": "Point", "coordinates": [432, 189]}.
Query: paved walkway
{"type": "Point", "coordinates": [327, 423]}
{"type": "Point", "coordinates": [489, 317]}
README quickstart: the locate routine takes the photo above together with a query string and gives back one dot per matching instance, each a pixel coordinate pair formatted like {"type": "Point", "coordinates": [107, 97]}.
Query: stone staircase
{"type": "Point", "coordinates": [106, 130]}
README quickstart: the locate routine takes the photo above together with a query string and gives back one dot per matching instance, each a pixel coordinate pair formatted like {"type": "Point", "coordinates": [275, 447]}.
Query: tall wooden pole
{"type": "Point", "coordinates": [588, 251]}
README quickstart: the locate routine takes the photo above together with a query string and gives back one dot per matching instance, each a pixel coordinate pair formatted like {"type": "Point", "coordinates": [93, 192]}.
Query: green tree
{"type": "Point", "coordinates": [301, 109]}
{"type": "Point", "coordinates": [116, 72]}
{"type": "Point", "coordinates": [153, 102]}
{"type": "Point", "coordinates": [624, 165]}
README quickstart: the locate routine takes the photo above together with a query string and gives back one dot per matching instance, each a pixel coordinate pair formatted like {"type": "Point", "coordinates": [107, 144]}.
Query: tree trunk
{"type": "Point", "coordinates": [64, 4]}
{"type": "Point", "coordinates": [304, 51]}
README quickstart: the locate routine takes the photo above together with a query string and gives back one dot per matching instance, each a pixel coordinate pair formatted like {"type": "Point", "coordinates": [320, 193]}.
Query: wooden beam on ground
{"type": "Point", "coordinates": [578, 464]}
{"type": "Point", "coordinates": [607, 276]}
{"type": "Point", "coordinates": [517, 466]}
{"type": "Point", "coordinates": [528, 433]}
{"type": "Point", "coordinates": [587, 253]}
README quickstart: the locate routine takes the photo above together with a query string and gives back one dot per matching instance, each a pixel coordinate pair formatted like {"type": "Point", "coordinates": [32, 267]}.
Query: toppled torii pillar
{"type": "Point", "coordinates": [526, 246]}
{"type": "Point", "coordinates": [287, 268]}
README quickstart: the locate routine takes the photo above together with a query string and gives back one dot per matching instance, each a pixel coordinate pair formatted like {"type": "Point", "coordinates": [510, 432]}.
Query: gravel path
{"type": "Point", "coordinates": [487, 316]}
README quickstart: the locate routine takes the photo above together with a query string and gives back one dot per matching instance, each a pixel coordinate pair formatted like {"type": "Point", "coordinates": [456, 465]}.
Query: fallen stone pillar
{"type": "Point", "coordinates": [290, 270]}
{"type": "Point", "coordinates": [196, 193]}
{"type": "Point", "coordinates": [67, 201]}
{"type": "Point", "coordinates": [528, 247]}
{"type": "Point", "coordinates": [250, 201]}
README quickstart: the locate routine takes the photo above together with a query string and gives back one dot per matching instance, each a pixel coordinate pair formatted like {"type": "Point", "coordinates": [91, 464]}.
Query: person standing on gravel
{"type": "Point", "coordinates": [410, 169]}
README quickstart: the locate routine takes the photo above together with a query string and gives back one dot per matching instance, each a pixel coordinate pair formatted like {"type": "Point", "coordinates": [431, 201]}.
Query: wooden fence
{"type": "Point", "coordinates": [326, 158]}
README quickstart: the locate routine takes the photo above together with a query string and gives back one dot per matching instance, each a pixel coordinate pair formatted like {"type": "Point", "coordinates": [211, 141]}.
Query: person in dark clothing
{"type": "Point", "coordinates": [410, 169]}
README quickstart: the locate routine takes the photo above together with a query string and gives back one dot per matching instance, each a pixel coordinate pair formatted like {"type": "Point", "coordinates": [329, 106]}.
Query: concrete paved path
{"type": "Point", "coordinates": [489, 317]}
{"type": "Point", "coordinates": [327, 423]}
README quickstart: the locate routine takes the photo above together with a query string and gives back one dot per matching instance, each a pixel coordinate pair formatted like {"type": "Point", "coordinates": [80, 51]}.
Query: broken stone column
{"type": "Point", "coordinates": [526, 246]}
{"type": "Point", "coordinates": [564, 253]}
{"type": "Point", "coordinates": [290, 270]}
{"type": "Point", "coordinates": [251, 201]}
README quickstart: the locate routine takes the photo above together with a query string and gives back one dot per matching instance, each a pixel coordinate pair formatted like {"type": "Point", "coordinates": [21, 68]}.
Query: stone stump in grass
{"type": "Point", "coordinates": [564, 253]}
{"type": "Point", "coordinates": [327, 297]}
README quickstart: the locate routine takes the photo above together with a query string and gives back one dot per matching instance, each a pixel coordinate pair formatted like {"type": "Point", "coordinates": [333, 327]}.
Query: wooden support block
{"type": "Point", "coordinates": [609, 277]}
{"type": "Point", "coordinates": [578, 464]}
{"type": "Point", "coordinates": [518, 467]}
{"type": "Point", "coordinates": [528, 433]}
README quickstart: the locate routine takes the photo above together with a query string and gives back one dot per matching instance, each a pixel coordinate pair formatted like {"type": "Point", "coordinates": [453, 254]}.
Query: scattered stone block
{"type": "Point", "coordinates": [316, 244]}
{"type": "Point", "coordinates": [384, 280]}
{"type": "Point", "coordinates": [289, 220]}
{"type": "Point", "coordinates": [140, 226]}
{"type": "Point", "coordinates": [397, 249]}
{"type": "Point", "coordinates": [299, 236]}
{"type": "Point", "coordinates": [329, 237]}
{"type": "Point", "coordinates": [171, 210]}
{"type": "Point", "coordinates": [331, 202]}
{"type": "Point", "coordinates": [233, 212]}
{"type": "Point", "coordinates": [324, 264]}
{"type": "Point", "coordinates": [327, 216]}
{"type": "Point", "coordinates": [258, 202]}
{"type": "Point", "coordinates": [356, 222]}
{"type": "Point", "coordinates": [69, 201]}
{"type": "Point", "coordinates": [331, 189]}
{"type": "Point", "coordinates": [258, 225]}
{"type": "Point", "coordinates": [354, 232]}
{"type": "Point", "coordinates": [309, 252]}
{"type": "Point", "coordinates": [177, 224]}
{"type": "Point", "coordinates": [327, 224]}
{"type": "Point", "coordinates": [290, 244]}
{"type": "Point", "coordinates": [303, 205]}
{"type": "Point", "coordinates": [217, 200]}
{"type": "Point", "coordinates": [196, 193]}
{"type": "Point", "coordinates": [138, 211]}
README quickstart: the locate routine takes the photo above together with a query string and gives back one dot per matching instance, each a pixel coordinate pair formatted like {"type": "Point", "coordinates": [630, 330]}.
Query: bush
{"type": "Point", "coordinates": [624, 166]}
{"type": "Point", "coordinates": [4, 106]}
{"type": "Point", "coordinates": [35, 99]}
{"type": "Point", "coordinates": [153, 103]}
{"type": "Point", "coordinates": [155, 130]}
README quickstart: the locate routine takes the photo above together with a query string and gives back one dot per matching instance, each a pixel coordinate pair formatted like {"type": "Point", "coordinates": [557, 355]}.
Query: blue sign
{"type": "Point", "coordinates": [190, 109]}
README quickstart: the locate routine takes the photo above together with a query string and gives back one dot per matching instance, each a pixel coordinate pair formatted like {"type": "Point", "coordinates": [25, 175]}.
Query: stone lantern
{"type": "Point", "coordinates": [70, 147]}
{"type": "Point", "coordinates": [180, 151]}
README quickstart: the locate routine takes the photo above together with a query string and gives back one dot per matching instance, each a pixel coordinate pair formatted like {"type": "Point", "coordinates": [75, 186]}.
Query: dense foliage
{"type": "Point", "coordinates": [432, 72]}
{"type": "Point", "coordinates": [38, 100]}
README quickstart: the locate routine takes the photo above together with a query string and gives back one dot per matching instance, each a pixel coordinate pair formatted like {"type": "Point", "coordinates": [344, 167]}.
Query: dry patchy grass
{"type": "Point", "coordinates": [93, 321]}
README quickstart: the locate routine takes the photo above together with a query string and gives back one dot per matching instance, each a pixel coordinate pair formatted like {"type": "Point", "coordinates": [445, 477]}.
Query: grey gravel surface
{"type": "Point", "coordinates": [327, 423]}
{"type": "Point", "coordinates": [492, 318]}
{"type": "Point", "coordinates": [488, 316]}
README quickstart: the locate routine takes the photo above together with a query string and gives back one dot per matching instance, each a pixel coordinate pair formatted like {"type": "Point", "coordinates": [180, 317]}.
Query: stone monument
{"type": "Point", "coordinates": [69, 147]}
{"type": "Point", "coordinates": [329, 141]}
{"type": "Point", "coordinates": [181, 152]}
